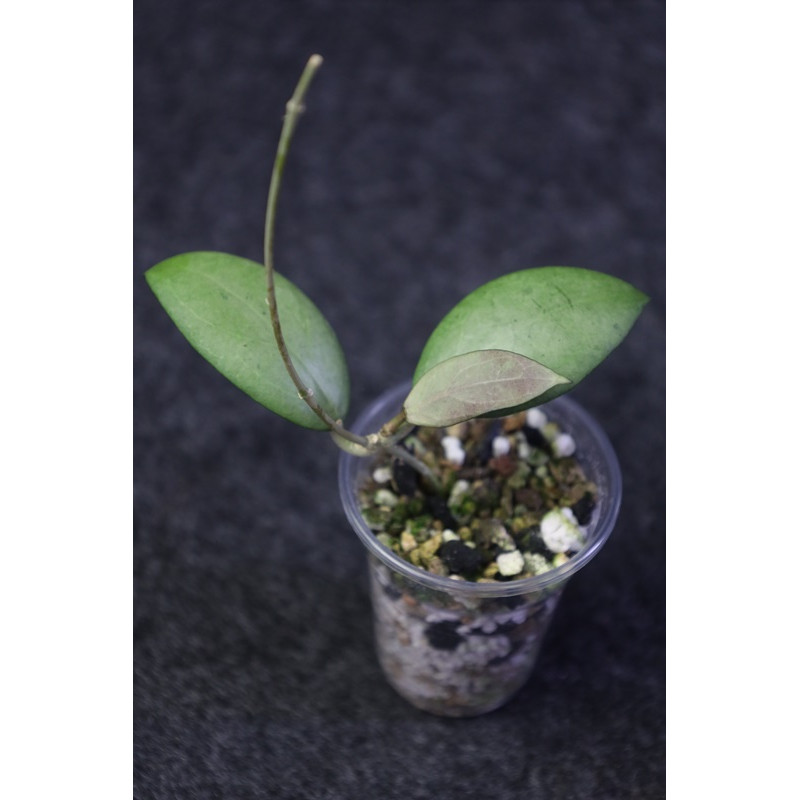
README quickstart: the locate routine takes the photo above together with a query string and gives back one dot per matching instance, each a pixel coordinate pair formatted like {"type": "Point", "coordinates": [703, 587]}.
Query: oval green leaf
{"type": "Point", "coordinates": [218, 301]}
{"type": "Point", "coordinates": [477, 383]}
{"type": "Point", "coordinates": [566, 318]}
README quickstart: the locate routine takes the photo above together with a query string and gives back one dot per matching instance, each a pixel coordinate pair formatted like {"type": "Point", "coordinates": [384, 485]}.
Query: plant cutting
{"type": "Point", "coordinates": [477, 489]}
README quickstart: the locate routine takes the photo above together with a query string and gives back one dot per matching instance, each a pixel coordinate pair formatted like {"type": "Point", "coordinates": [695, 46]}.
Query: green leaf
{"type": "Point", "coordinates": [474, 384]}
{"type": "Point", "coordinates": [218, 301]}
{"type": "Point", "coordinates": [566, 318]}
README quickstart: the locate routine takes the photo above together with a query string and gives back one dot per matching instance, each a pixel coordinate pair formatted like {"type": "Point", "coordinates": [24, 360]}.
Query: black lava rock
{"type": "Point", "coordinates": [484, 453]}
{"type": "Point", "coordinates": [405, 478]}
{"type": "Point", "coordinates": [535, 544]}
{"type": "Point", "coordinates": [460, 558]}
{"type": "Point", "coordinates": [583, 509]}
{"type": "Point", "coordinates": [437, 506]}
{"type": "Point", "coordinates": [443, 635]}
{"type": "Point", "coordinates": [535, 438]}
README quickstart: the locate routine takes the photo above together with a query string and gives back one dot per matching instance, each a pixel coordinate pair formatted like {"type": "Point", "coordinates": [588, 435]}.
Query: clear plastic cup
{"type": "Point", "coordinates": [454, 647]}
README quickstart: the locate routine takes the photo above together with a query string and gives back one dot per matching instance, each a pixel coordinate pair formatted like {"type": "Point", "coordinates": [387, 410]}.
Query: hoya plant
{"type": "Point", "coordinates": [514, 343]}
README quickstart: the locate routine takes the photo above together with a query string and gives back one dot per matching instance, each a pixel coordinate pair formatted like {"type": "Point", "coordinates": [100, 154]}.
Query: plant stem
{"type": "Point", "coordinates": [396, 427]}
{"type": "Point", "coordinates": [293, 110]}
{"type": "Point", "coordinates": [387, 438]}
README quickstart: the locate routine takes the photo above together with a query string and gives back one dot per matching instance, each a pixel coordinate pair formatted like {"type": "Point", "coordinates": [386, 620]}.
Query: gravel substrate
{"type": "Point", "coordinates": [451, 654]}
{"type": "Point", "coordinates": [515, 504]}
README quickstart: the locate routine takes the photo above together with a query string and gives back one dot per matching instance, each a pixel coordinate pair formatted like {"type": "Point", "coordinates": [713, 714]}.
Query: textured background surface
{"type": "Point", "coordinates": [445, 144]}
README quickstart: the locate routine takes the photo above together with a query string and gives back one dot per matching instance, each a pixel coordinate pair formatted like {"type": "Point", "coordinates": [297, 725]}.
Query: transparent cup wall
{"type": "Point", "coordinates": [452, 653]}
{"type": "Point", "coordinates": [458, 648]}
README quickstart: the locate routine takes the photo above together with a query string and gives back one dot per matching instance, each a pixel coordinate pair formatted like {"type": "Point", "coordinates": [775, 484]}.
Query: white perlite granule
{"type": "Point", "coordinates": [560, 530]}
{"type": "Point", "coordinates": [382, 475]}
{"type": "Point", "coordinates": [500, 446]}
{"type": "Point", "coordinates": [564, 445]}
{"type": "Point", "coordinates": [383, 497]}
{"type": "Point", "coordinates": [510, 563]}
{"type": "Point", "coordinates": [453, 450]}
{"type": "Point", "coordinates": [536, 418]}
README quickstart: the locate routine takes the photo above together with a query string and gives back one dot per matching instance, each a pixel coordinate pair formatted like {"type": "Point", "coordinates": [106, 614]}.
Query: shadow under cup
{"type": "Point", "coordinates": [458, 648]}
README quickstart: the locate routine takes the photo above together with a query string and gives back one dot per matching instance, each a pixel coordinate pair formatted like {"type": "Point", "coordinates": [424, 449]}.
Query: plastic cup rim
{"type": "Point", "coordinates": [599, 529]}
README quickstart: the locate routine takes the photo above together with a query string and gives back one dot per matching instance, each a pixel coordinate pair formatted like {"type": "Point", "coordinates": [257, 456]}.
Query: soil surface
{"type": "Point", "coordinates": [514, 504]}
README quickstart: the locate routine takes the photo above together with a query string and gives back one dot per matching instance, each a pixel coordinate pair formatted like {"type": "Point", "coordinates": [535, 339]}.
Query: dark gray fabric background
{"type": "Point", "coordinates": [445, 144]}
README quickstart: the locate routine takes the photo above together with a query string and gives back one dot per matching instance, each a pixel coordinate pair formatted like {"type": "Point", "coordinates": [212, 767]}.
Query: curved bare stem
{"type": "Point", "coordinates": [395, 428]}
{"type": "Point", "coordinates": [293, 110]}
